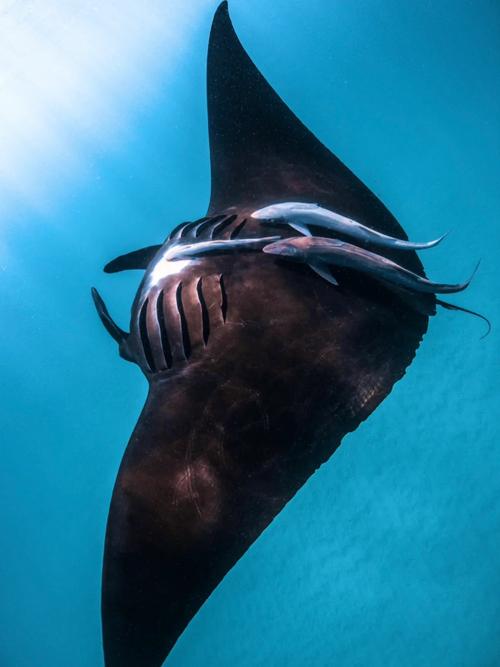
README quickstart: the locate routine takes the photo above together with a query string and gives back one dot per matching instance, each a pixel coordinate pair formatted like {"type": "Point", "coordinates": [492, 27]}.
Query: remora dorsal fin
{"type": "Point", "coordinates": [138, 259]}
{"type": "Point", "coordinates": [261, 153]}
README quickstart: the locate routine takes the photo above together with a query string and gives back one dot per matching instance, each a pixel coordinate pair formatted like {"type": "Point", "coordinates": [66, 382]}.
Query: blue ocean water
{"type": "Point", "coordinates": [389, 555]}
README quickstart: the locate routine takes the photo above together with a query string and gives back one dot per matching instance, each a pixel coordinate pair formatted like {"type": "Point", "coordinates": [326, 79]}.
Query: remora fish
{"type": "Point", "coordinates": [320, 252]}
{"type": "Point", "coordinates": [255, 372]}
{"type": "Point", "coordinates": [301, 216]}
{"type": "Point", "coordinates": [204, 248]}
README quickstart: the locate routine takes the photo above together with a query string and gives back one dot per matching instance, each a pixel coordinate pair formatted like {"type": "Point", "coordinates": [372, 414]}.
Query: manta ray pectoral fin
{"type": "Point", "coordinates": [324, 272]}
{"type": "Point", "coordinates": [138, 259]}
{"type": "Point", "coordinates": [302, 229]}
{"type": "Point", "coordinates": [111, 327]}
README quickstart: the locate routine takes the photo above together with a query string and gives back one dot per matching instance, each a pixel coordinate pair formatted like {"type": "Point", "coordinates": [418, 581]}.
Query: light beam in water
{"type": "Point", "coordinates": [69, 76]}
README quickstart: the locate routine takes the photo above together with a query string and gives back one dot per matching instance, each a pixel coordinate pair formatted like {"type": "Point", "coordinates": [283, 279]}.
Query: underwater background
{"type": "Point", "coordinates": [389, 555]}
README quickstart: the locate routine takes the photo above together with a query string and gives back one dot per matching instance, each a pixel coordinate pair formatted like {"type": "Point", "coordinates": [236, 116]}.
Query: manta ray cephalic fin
{"type": "Point", "coordinates": [109, 324]}
{"type": "Point", "coordinates": [135, 260]}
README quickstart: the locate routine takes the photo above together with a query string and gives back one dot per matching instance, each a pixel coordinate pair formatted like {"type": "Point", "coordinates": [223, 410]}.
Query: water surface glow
{"type": "Point", "coordinates": [71, 74]}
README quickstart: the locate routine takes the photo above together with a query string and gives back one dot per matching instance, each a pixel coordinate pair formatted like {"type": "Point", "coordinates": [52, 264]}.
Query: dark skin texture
{"type": "Point", "coordinates": [280, 366]}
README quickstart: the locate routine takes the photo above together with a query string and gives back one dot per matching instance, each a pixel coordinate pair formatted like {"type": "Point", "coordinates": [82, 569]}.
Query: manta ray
{"type": "Point", "coordinates": [257, 365]}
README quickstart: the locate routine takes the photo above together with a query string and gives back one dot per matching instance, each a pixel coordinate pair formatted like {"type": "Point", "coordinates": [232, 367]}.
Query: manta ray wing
{"type": "Point", "coordinates": [261, 153]}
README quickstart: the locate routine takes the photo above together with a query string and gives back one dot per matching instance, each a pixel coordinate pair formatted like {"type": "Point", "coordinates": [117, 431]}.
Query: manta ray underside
{"type": "Point", "coordinates": [257, 368]}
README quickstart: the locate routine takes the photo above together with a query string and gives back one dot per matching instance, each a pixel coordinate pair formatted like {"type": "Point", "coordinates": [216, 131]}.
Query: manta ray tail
{"type": "Point", "coordinates": [451, 306]}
